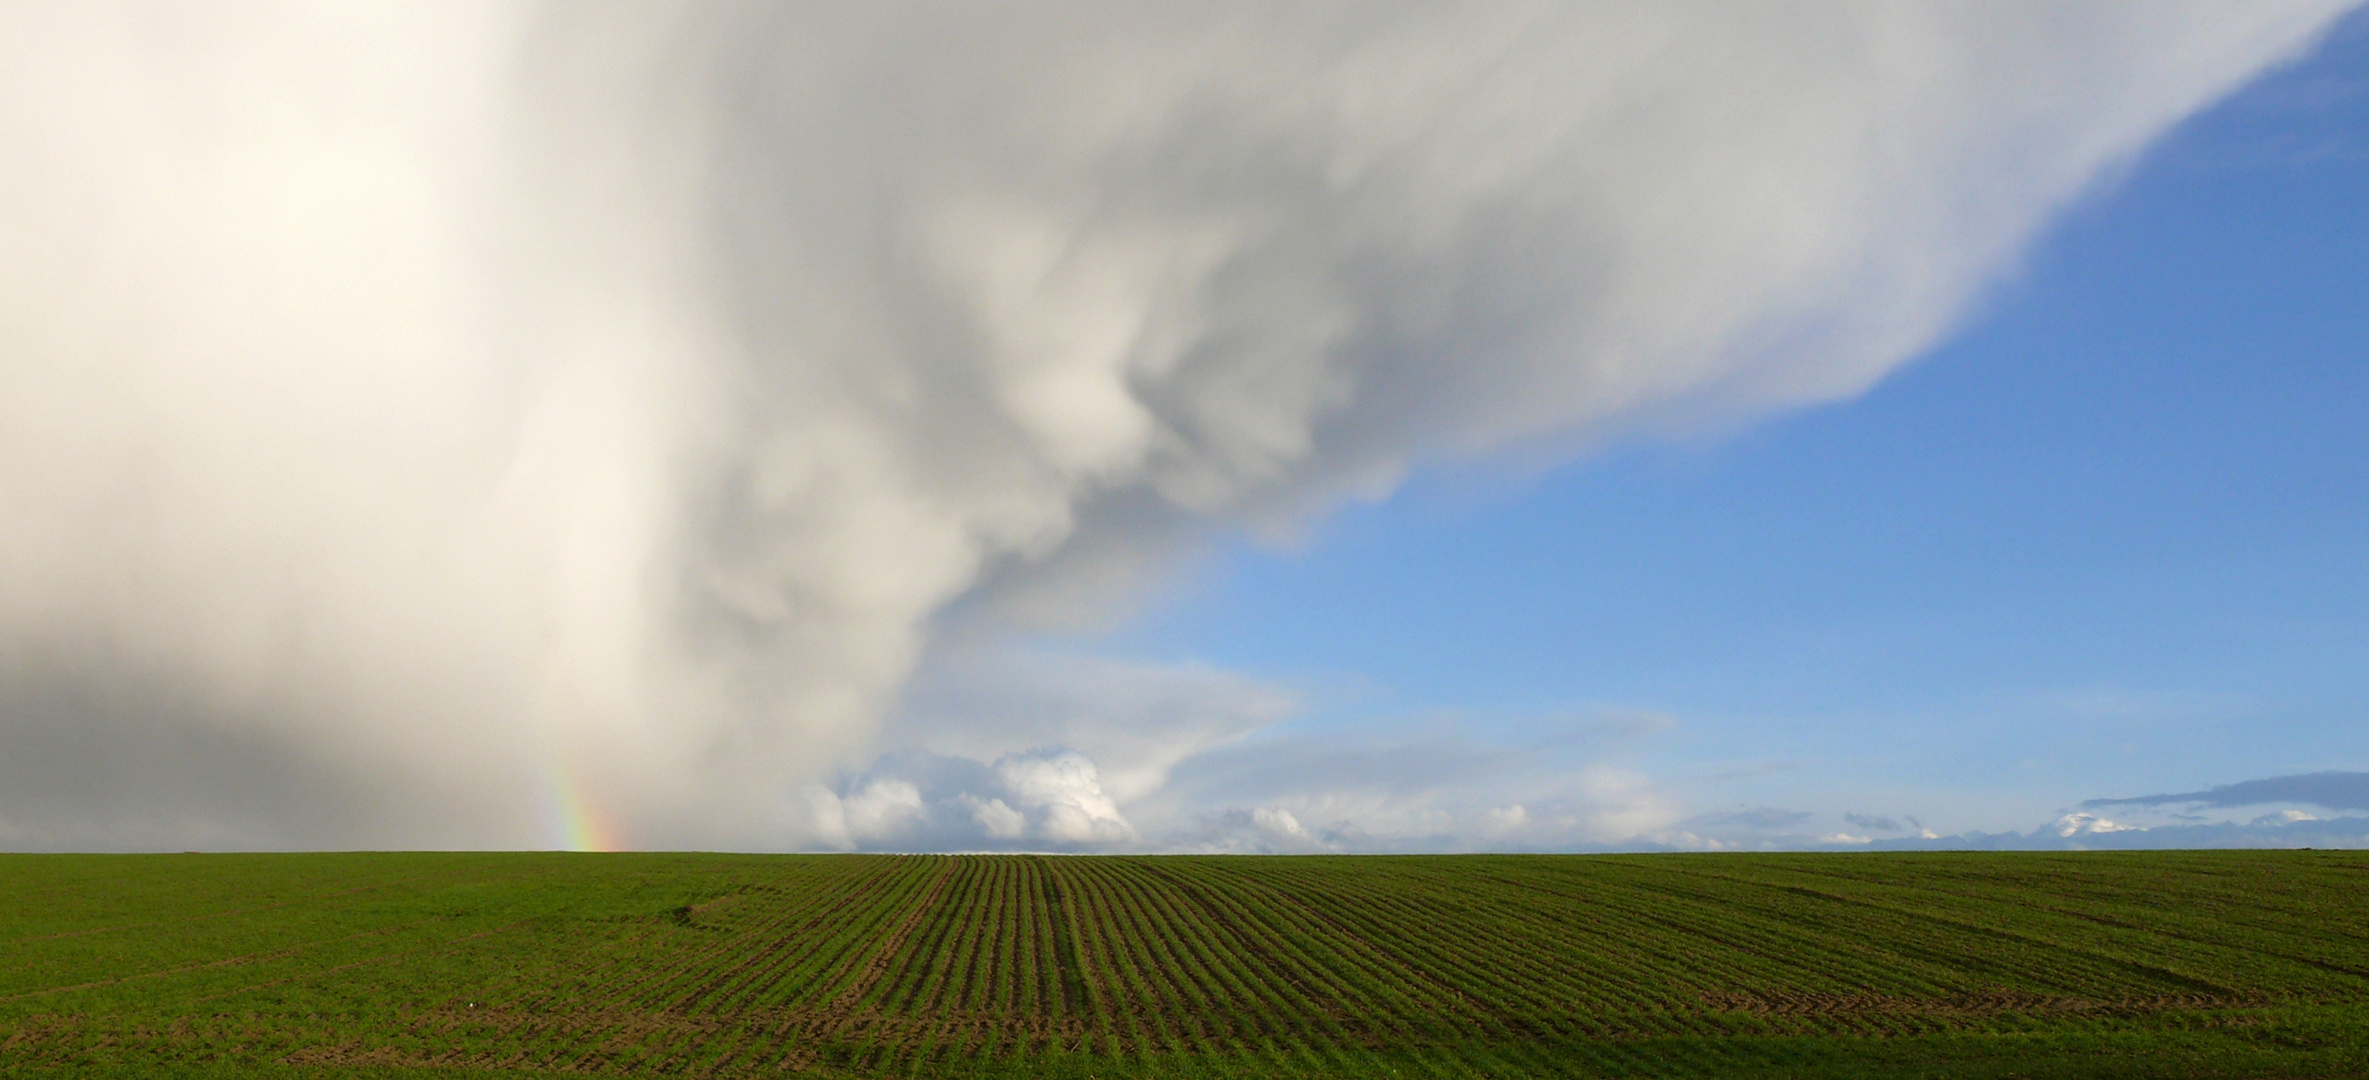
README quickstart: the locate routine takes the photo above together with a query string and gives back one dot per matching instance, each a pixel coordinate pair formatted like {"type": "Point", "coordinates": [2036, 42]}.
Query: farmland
{"type": "Point", "coordinates": [434, 965]}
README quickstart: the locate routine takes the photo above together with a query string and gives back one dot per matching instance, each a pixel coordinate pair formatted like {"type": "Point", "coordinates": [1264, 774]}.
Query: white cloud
{"type": "Point", "coordinates": [1236, 771]}
{"type": "Point", "coordinates": [1427, 790]}
{"type": "Point", "coordinates": [1066, 792]}
{"type": "Point", "coordinates": [1001, 821]}
{"type": "Point", "coordinates": [1304, 784]}
{"type": "Point", "coordinates": [1279, 823]}
{"type": "Point", "coordinates": [2080, 824]}
{"type": "Point", "coordinates": [2285, 817]}
{"type": "Point", "coordinates": [882, 809]}
{"type": "Point", "coordinates": [501, 406]}
{"type": "Point", "coordinates": [1134, 720]}
{"type": "Point", "coordinates": [827, 813]}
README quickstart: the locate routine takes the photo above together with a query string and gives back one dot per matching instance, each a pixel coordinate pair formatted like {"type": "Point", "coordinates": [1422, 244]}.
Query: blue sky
{"type": "Point", "coordinates": [2109, 539]}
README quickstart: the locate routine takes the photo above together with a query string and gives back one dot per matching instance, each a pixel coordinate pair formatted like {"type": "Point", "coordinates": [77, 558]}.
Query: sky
{"type": "Point", "coordinates": [2106, 539]}
{"type": "Point", "coordinates": [1282, 428]}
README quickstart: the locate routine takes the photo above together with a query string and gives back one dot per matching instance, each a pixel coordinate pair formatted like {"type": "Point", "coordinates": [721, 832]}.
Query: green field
{"type": "Point", "coordinates": [1879, 965]}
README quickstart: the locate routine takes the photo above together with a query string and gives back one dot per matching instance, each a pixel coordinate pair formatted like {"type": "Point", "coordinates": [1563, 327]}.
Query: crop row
{"type": "Point", "coordinates": [724, 964]}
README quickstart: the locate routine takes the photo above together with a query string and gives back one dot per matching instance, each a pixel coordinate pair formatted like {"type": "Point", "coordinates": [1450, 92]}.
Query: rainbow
{"type": "Point", "coordinates": [578, 824]}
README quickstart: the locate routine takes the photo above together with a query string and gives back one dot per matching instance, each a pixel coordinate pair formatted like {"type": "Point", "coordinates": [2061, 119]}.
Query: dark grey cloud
{"type": "Point", "coordinates": [1872, 821]}
{"type": "Point", "coordinates": [2333, 790]}
{"type": "Point", "coordinates": [100, 756]}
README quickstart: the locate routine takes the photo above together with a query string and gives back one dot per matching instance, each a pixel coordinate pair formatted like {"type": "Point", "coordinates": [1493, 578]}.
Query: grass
{"type": "Point", "coordinates": [2128, 964]}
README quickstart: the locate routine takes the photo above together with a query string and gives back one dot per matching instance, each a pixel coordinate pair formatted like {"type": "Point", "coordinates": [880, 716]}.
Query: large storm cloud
{"type": "Point", "coordinates": [422, 424]}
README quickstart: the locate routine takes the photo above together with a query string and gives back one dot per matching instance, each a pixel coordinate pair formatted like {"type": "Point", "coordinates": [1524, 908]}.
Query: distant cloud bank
{"type": "Point", "coordinates": [2331, 790]}
{"type": "Point", "coordinates": [2081, 832]}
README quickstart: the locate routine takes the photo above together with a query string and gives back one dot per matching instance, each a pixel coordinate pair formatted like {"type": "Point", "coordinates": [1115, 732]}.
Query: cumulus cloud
{"type": "Point", "coordinates": [998, 820]}
{"type": "Point", "coordinates": [1135, 721]}
{"type": "Point", "coordinates": [1280, 824]}
{"type": "Point", "coordinates": [1067, 792]}
{"type": "Point", "coordinates": [1243, 771]}
{"type": "Point", "coordinates": [443, 415]}
{"type": "Point", "coordinates": [1050, 799]}
{"type": "Point", "coordinates": [882, 808]}
{"type": "Point", "coordinates": [1431, 788]}
{"type": "Point", "coordinates": [882, 811]}
{"type": "Point", "coordinates": [2080, 824]}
